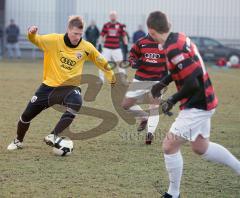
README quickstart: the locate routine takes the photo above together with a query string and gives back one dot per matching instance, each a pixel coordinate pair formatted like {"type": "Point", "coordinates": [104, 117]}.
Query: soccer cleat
{"type": "Point", "coordinates": [166, 195]}
{"type": "Point", "coordinates": [51, 139]}
{"type": "Point", "coordinates": [15, 144]}
{"type": "Point", "coordinates": [142, 125]}
{"type": "Point", "coordinates": [149, 138]}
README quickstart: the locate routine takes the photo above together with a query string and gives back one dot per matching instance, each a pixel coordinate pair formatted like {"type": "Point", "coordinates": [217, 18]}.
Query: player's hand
{"type": "Point", "coordinates": [113, 85]}
{"type": "Point", "coordinates": [32, 29]}
{"type": "Point", "coordinates": [136, 64]}
{"type": "Point", "coordinates": [166, 106]}
{"type": "Point", "coordinates": [156, 89]}
{"type": "Point", "coordinates": [113, 81]}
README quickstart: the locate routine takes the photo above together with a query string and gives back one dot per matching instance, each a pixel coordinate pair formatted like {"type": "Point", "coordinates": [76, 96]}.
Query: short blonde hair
{"type": "Point", "coordinates": [75, 21]}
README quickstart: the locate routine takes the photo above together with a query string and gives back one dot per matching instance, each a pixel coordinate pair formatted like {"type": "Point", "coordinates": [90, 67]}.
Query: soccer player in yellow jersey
{"type": "Point", "coordinates": [64, 56]}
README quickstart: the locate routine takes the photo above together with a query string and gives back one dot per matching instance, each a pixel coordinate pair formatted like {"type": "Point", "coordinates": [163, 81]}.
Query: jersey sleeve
{"type": "Point", "coordinates": [104, 30]}
{"type": "Point", "coordinates": [134, 54]}
{"type": "Point", "coordinates": [44, 42]}
{"type": "Point", "coordinates": [185, 62]}
{"type": "Point", "coordinates": [123, 30]}
{"type": "Point", "coordinates": [102, 64]}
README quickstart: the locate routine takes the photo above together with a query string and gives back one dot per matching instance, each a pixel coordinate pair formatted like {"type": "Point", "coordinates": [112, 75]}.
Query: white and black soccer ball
{"type": "Point", "coordinates": [63, 146]}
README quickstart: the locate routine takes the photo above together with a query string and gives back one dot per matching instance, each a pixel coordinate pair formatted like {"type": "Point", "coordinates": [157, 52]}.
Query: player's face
{"type": "Point", "coordinates": [113, 17]}
{"type": "Point", "coordinates": [74, 35]}
{"type": "Point", "coordinates": [155, 35]}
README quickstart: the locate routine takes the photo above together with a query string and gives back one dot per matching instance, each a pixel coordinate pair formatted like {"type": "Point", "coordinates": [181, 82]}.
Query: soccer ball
{"type": "Point", "coordinates": [63, 146]}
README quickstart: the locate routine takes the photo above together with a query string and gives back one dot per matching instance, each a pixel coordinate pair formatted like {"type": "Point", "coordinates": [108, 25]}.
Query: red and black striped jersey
{"type": "Point", "coordinates": [113, 32]}
{"type": "Point", "coordinates": [184, 61]}
{"type": "Point", "coordinates": [147, 56]}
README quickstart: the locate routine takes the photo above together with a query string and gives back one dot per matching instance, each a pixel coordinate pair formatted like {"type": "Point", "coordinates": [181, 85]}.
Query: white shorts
{"type": "Point", "coordinates": [192, 122]}
{"type": "Point", "coordinates": [138, 88]}
{"type": "Point", "coordinates": [112, 54]}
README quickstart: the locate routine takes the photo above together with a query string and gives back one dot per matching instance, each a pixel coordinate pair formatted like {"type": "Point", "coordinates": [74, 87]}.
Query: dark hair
{"type": "Point", "coordinates": [75, 21]}
{"type": "Point", "coordinates": [158, 21]}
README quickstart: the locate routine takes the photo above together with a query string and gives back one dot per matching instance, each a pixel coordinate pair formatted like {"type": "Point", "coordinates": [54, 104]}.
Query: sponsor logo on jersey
{"type": "Point", "coordinates": [112, 32]}
{"type": "Point", "coordinates": [152, 55]}
{"type": "Point", "coordinates": [177, 59]}
{"type": "Point", "coordinates": [67, 61]}
{"type": "Point", "coordinates": [151, 61]}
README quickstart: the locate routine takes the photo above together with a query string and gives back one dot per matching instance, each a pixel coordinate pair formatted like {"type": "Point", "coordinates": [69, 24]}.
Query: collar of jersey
{"type": "Point", "coordinates": [169, 38]}
{"type": "Point", "coordinates": [68, 43]}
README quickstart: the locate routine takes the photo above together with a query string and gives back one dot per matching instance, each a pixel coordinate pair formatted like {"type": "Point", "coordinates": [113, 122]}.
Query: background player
{"type": "Point", "coordinates": [149, 61]}
{"type": "Point", "coordinates": [197, 98]}
{"type": "Point", "coordinates": [64, 56]}
{"type": "Point", "coordinates": [111, 34]}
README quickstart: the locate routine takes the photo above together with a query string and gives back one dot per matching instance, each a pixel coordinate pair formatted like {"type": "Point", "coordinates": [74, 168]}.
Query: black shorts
{"type": "Point", "coordinates": [46, 96]}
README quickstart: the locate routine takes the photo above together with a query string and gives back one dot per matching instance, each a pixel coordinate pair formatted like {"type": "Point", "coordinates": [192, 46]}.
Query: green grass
{"type": "Point", "coordinates": [117, 163]}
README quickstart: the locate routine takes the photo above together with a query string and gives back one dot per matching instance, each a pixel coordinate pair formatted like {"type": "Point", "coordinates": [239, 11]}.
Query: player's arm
{"type": "Point", "coordinates": [135, 56]}
{"type": "Point", "coordinates": [125, 40]}
{"type": "Point", "coordinates": [157, 88]}
{"type": "Point", "coordinates": [103, 35]}
{"type": "Point", "coordinates": [180, 58]}
{"type": "Point", "coordinates": [102, 64]}
{"type": "Point", "coordinates": [190, 86]}
{"type": "Point", "coordinates": [44, 42]}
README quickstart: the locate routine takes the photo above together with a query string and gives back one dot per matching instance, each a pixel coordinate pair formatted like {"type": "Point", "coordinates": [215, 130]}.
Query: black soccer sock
{"type": "Point", "coordinates": [22, 129]}
{"type": "Point", "coordinates": [63, 123]}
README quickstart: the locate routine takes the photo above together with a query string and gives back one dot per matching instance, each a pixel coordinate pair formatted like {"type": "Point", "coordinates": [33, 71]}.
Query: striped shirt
{"type": "Point", "coordinates": [148, 57]}
{"type": "Point", "coordinates": [112, 33]}
{"type": "Point", "coordinates": [184, 61]}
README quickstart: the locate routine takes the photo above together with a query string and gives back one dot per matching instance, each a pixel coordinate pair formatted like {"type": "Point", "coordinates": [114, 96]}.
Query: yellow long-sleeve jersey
{"type": "Point", "coordinates": [63, 65]}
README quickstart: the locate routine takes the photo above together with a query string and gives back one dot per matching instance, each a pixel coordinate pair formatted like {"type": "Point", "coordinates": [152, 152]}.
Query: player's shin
{"type": "Point", "coordinates": [218, 153]}
{"type": "Point", "coordinates": [138, 112]}
{"type": "Point", "coordinates": [64, 122]}
{"type": "Point", "coordinates": [174, 166]}
{"type": "Point", "coordinates": [22, 129]}
{"type": "Point", "coordinates": [153, 118]}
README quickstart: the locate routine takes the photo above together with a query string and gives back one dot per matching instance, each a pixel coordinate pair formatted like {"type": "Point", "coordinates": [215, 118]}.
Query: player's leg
{"type": "Point", "coordinates": [129, 104]}
{"type": "Point", "coordinates": [107, 54]}
{"type": "Point", "coordinates": [73, 102]}
{"type": "Point", "coordinates": [180, 131]}
{"type": "Point", "coordinates": [153, 118]}
{"type": "Point", "coordinates": [38, 103]}
{"type": "Point", "coordinates": [216, 153]}
{"type": "Point", "coordinates": [118, 58]}
{"type": "Point", "coordinates": [173, 162]}
{"type": "Point", "coordinates": [17, 50]}
{"type": "Point", "coordinates": [10, 50]}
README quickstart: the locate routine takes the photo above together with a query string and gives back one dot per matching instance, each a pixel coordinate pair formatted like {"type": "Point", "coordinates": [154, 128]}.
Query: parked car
{"type": "Point", "coordinates": [213, 50]}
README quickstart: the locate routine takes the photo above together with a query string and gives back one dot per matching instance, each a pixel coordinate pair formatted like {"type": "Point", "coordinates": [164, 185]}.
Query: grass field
{"type": "Point", "coordinates": [117, 163]}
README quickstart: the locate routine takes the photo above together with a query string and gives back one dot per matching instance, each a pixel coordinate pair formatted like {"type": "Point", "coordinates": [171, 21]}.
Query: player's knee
{"type": "Point", "coordinates": [76, 104]}
{"type": "Point", "coordinates": [26, 116]}
{"type": "Point", "coordinates": [198, 150]}
{"type": "Point", "coordinates": [171, 144]}
{"type": "Point", "coordinates": [200, 145]}
{"type": "Point", "coordinates": [154, 107]}
{"type": "Point", "coordinates": [125, 105]}
{"type": "Point", "coordinates": [167, 146]}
